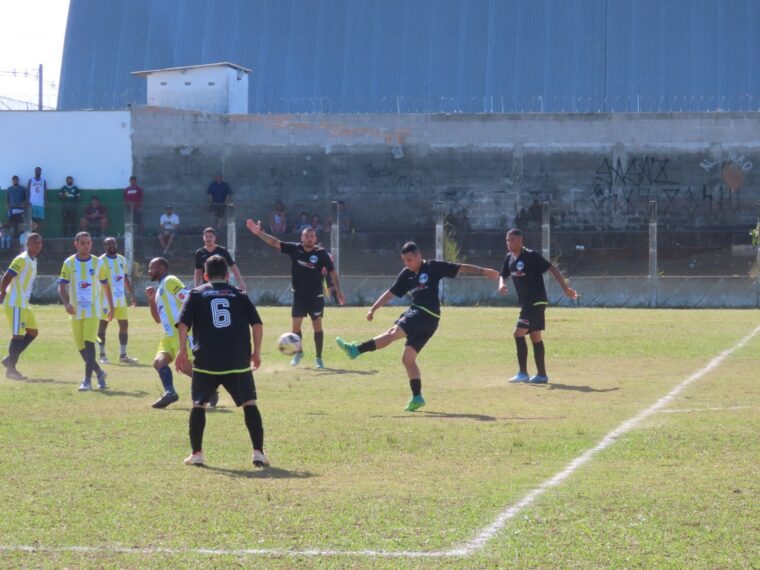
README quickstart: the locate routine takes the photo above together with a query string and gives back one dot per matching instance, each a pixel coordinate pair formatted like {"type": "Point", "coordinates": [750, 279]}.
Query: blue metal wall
{"type": "Point", "coordinates": [389, 56]}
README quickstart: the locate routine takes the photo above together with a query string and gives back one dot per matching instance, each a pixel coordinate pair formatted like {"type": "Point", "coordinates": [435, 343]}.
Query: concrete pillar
{"type": "Point", "coordinates": [757, 257]}
{"type": "Point", "coordinates": [653, 279]}
{"type": "Point", "coordinates": [231, 230]}
{"type": "Point", "coordinates": [129, 238]}
{"type": "Point", "coordinates": [335, 236]}
{"type": "Point", "coordinates": [546, 215]}
{"type": "Point", "coordinates": [440, 217]}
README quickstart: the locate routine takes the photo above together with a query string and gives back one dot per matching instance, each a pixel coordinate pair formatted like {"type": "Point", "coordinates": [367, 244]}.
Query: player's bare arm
{"type": "Point", "coordinates": [571, 293]}
{"type": "Point", "coordinates": [150, 291]}
{"type": "Point", "coordinates": [381, 301]}
{"type": "Point", "coordinates": [468, 269]}
{"type": "Point", "coordinates": [257, 333]}
{"type": "Point", "coordinates": [502, 286]}
{"type": "Point", "coordinates": [238, 278]}
{"type": "Point", "coordinates": [63, 295]}
{"type": "Point", "coordinates": [338, 291]}
{"type": "Point", "coordinates": [182, 362]}
{"type": "Point", "coordinates": [109, 296]}
{"type": "Point", "coordinates": [256, 229]}
{"type": "Point", "coordinates": [4, 283]}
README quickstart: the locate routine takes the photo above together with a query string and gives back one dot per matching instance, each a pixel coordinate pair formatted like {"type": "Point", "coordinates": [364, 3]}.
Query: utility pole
{"type": "Point", "coordinates": [39, 87]}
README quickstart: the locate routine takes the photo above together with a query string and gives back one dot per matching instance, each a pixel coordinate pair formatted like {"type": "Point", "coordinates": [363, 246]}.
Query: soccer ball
{"type": "Point", "coordinates": [289, 343]}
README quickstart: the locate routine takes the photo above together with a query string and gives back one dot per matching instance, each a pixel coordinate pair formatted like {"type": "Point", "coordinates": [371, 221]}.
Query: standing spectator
{"type": "Point", "coordinates": [169, 222]}
{"type": "Point", "coordinates": [535, 213]}
{"type": "Point", "coordinates": [316, 224]}
{"type": "Point", "coordinates": [95, 219]}
{"type": "Point", "coordinates": [303, 223]}
{"type": "Point", "coordinates": [278, 220]}
{"type": "Point", "coordinates": [69, 195]}
{"type": "Point", "coordinates": [16, 199]}
{"type": "Point", "coordinates": [218, 192]}
{"type": "Point", "coordinates": [345, 217]}
{"type": "Point", "coordinates": [133, 194]}
{"type": "Point", "coordinates": [36, 189]}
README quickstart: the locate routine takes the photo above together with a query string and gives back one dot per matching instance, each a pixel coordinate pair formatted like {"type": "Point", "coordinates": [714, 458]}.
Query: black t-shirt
{"type": "Point", "coordinates": [423, 286]}
{"type": "Point", "coordinates": [220, 317]}
{"type": "Point", "coordinates": [202, 254]}
{"type": "Point", "coordinates": [527, 270]}
{"type": "Point", "coordinates": [306, 269]}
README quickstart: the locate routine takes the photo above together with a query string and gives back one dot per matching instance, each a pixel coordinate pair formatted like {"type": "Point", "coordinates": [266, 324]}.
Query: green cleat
{"type": "Point", "coordinates": [415, 404]}
{"type": "Point", "coordinates": [350, 348]}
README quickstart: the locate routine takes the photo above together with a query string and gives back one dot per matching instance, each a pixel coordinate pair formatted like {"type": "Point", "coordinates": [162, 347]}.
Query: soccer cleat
{"type": "Point", "coordinates": [318, 364]}
{"type": "Point", "coordinates": [4, 361]}
{"type": "Point", "coordinates": [415, 404]}
{"type": "Point", "coordinates": [85, 386]}
{"type": "Point", "coordinates": [124, 359]}
{"type": "Point", "coordinates": [350, 348]}
{"type": "Point", "coordinates": [213, 399]}
{"type": "Point", "coordinates": [102, 380]}
{"type": "Point", "coordinates": [297, 357]}
{"type": "Point", "coordinates": [538, 379]}
{"type": "Point", "coordinates": [259, 459]}
{"type": "Point", "coordinates": [520, 377]}
{"type": "Point", "coordinates": [13, 374]}
{"type": "Point", "coordinates": [195, 459]}
{"type": "Point", "coordinates": [104, 359]}
{"type": "Point", "coordinates": [165, 400]}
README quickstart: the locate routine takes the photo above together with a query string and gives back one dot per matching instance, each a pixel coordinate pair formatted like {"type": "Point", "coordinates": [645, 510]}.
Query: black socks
{"type": "Point", "coordinates": [416, 385]}
{"type": "Point", "coordinates": [522, 353]}
{"type": "Point", "coordinates": [538, 355]}
{"type": "Point", "coordinates": [368, 346]}
{"type": "Point", "coordinates": [197, 425]}
{"type": "Point", "coordinates": [255, 426]}
{"type": "Point", "coordinates": [319, 341]}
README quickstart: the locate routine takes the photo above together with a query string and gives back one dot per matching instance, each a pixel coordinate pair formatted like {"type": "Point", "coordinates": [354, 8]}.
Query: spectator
{"type": "Point", "coordinates": [16, 199]}
{"type": "Point", "coordinates": [303, 223]}
{"type": "Point", "coordinates": [535, 213]}
{"type": "Point", "coordinates": [69, 195]}
{"type": "Point", "coordinates": [95, 220]}
{"type": "Point", "coordinates": [169, 222]}
{"type": "Point", "coordinates": [316, 224]}
{"type": "Point", "coordinates": [278, 220]}
{"type": "Point", "coordinates": [218, 192]}
{"type": "Point", "coordinates": [133, 195]}
{"type": "Point", "coordinates": [345, 217]}
{"type": "Point", "coordinates": [37, 198]}
{"type": "Point", "coordinates": [522, 218]}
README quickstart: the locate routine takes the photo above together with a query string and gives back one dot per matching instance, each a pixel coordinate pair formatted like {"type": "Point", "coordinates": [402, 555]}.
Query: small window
{"type": "Point", "coordinates": [211, 83]}
{"type": "Point", "coordinates": [163, 83]}
{"type": "Point", "coordinates": [187, 83]}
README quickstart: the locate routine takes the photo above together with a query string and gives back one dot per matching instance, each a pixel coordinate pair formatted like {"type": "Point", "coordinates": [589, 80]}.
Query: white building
{"type": "Point", "coordinates": [213, 87]}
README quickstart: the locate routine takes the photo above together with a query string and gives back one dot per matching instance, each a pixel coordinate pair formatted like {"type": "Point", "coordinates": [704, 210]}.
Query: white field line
{"type": "Point", "coordinates": [695, 410]}
{"type": "Point", "coordinates": [477, 543]}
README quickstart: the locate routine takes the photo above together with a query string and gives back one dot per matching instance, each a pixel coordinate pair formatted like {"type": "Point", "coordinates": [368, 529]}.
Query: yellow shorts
{"type": "Point", "coordinates": [20, 320]}
{"type": "Point", "coordinates": [85, 330]}
{"type": "Point", "coordinates": [170, 346]}
{"type": "Point", "coordinates": [119, 314]}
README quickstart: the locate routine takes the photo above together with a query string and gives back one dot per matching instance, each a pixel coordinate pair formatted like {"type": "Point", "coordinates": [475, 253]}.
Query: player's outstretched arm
{"type": "Point", "coordinates": [256, 229]}
{"type": "Point", "coordinates": [382, 300]}
{"type": "Point", "coordinates": [257, 332]}
{"type": "Point", "coordinates": [336, 284]}
{"type": "Point", "coordinates": [468, 269]}
{"type": "Point", "coordinates": [571, 293]}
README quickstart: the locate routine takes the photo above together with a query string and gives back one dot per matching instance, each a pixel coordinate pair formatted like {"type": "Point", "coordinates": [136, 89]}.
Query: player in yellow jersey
{"type": "Point", "coordinates": [15, 291]}
{"type": "Point", "coordinates": [165, 304]}
{"type": "Point", "coordinates": [121, 287]}
{"type": "Point", "coordinates": [82, 286]}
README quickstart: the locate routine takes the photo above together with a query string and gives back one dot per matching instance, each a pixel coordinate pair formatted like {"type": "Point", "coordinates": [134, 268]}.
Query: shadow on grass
{"type": "Point", "coordinates": [336, 371]}
{"type": "Point", "coordinates": [266, 473]}
{"type": "Point", "coordinates": [186, 410]}
{"type": "Point", "coordinates": [476, 417]}
{"type": "Point", "coordinates": [47, 381]}
{"type": "Point", "coordinates": [570, 387]}
{"type": "Point", "coordinates": [110, 392]}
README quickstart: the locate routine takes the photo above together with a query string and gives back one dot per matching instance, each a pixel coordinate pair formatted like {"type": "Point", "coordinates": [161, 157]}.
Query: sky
{"type": "Point", "coordinates": [33, 34]}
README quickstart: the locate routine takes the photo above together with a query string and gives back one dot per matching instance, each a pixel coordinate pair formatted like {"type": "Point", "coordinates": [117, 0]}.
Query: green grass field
{"type": "Point", "coordinates": [352, 472]}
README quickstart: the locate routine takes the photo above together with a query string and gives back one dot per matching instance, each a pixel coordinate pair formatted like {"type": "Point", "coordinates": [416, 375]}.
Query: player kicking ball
{"type": "Point", "coordinates": [527, 268]}
{"type": "Point", "coordinates": [223, 320]}
{"type": "Point", "coordinates": [419, 278]}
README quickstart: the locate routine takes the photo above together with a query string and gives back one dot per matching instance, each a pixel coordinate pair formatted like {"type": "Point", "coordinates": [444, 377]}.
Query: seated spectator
{"type": "Point", "coordinates": [303, 223]}
{"type": "Point", "coordinates": [95, 218]}
{"type": "Point", "coordinates": [278, 220]}
{"type": "Point", "coordinates": [169, 223]}
{"type": "Point", "coordinates": [345, 217]}
{"type": "Point", "coordinates": [218, 192]}
{"type": "Point", "coordinates": [316, 224]}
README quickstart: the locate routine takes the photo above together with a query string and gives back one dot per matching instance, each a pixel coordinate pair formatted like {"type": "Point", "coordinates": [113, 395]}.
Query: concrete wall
{"type": "Point", "coordinates": [94, 147]}
{"type": "Point", "coordinates": [598, 170]}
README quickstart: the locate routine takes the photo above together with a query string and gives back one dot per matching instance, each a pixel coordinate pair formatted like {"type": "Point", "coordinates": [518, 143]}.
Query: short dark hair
{"type": "Point", "coordinates": [133, 177]}
{"type": "Point", "coordinates": [409, 247]}
{"type": "Point", "coordinates": [210, 230]}
{"type": "Point", "coordinates": [216, 266]}
{"type": "Point", "coordinates": [81, 235]}
{"type": "Point", "coordinates": [14, 178]}
{"type": "Point", "coordinates": [515, 232]}
{"type": "Point", "coordinates": [162, 261]}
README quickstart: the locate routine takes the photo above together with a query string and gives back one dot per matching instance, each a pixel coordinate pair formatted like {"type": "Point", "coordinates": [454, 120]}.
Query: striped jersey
{"type": "Point", "coordinates": [24, 267]}
{"type": "Point", "coordinates": [170, 296]}
{"type": "Point", "coordinates": [117, 274]}
{"type": "Point", "coordinates": [84, 279]}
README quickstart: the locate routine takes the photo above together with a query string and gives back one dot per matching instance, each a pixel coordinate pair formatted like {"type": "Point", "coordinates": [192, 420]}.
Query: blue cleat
{"type": "Point", "coordinates": [538, 379]}
{"type": "Point", "coordinates": [520, 377]}
{"type": "Point", "coordinates": [318, 364]}
{"type": "Point", "coordinates": [102, 380]}
{"type": "Point", "coordinates": [350, 348]}
{"type": "Point", "coordinates": [296, 359]}
{"type": "Point", "coordinates": [415, 404]}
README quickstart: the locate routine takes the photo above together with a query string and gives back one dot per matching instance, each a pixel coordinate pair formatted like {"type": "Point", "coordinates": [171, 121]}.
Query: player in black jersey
{"type": "Point", "coordinates": [308, 261]}
{"type": "Point", "coordinates": [211, 248]}
{"type": "Point", "coordinates": [222, 319]}
{"type": "Point", "coordinates": [527, 268]}
{"type": "Point", "coordinates": [420, 279]}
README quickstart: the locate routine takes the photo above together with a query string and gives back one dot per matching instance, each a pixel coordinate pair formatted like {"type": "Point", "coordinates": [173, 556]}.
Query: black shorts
{"type": "Point", "coordinates": [531, 318]}
{"type": "Point", "coordinates": [418, 326]}
{"type": "Point", "coordinates": [16, 218]}
{"type": "Point", "coordinates": [239, 385]}
{"type": "Point", "coordinates": [312, 306]}
{"type": "Point", "coordinates": [217, 208]}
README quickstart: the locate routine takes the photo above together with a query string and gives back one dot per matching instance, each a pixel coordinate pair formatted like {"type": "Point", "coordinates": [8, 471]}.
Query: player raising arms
{"type": "Point", "coordinates": [118, 279]}
{"type": "Point", "coordinates": [527, 268]}
{"type": "Point", "coordinates": [220, 317]}
{"type": "Point", "coordinates": [81, 295]}
{"type": "Point", "coordinates": [420, 278]}
{"type": "Point", "coordinates": [308, 261]}
{"type": "Point", "coordinates": [15, 292]}
{"type": "Point", "coordinates": [165, 304]}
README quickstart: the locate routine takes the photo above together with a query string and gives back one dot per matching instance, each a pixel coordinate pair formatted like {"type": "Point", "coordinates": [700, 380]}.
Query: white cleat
{"type": "Point", "coordinates": [124, 359]}
{"type": "Point", "coordinates": [259, 459]}
{"type": "Point", "coordinates": [104, 359]}
{"type": "Point", "coordinates": [195, 458]}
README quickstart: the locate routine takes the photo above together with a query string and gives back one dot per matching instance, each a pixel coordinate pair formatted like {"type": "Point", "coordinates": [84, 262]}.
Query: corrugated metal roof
{"type": "Point", "coordinates": [427, 55]}
{"type": "Point", "coordinates": [186, 67]}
